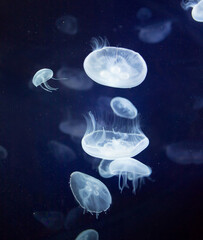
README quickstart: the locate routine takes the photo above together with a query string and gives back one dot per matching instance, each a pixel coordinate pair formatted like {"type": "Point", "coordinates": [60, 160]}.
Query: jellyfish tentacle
{"type": "Point", "coordinates": [49, 87]}
{"type": "Point", "coordinates": [45, 88]}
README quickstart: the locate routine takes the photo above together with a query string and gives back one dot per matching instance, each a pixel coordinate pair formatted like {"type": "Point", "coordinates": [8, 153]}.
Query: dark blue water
{"type": "Point", "coordinates": [31, 179]}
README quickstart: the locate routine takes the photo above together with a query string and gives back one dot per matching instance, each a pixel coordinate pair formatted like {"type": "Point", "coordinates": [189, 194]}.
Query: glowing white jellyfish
{"type": "Point", "coordinates": [76, 78]}
{"type": "Point", "coordinates": [67, 24]}
{"type": "Point", "coordinates": [123, 108]}
{"type": "Point", "coordinates": [129, 169]}
{"type": "Point", "coordinates": [103, 169]}
{"type": "Point", "coordinates": [114, 140]}
{"type": "Point", "coordinates": [155, 33]}
{"type": "Point", "coordinates": [89, 234]}
{"type": "Point", "coordinates": [41, 77]}
{"type": "Point", "coordinates": [197, 9]}
{"type": "Point", "coordinates": [115, 67]}
{"type": "Point", "coordinates": [92, 195]}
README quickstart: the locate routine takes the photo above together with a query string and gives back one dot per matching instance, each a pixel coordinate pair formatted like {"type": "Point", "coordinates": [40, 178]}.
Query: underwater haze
{"type": "Point", "coordinates": [101, 119]}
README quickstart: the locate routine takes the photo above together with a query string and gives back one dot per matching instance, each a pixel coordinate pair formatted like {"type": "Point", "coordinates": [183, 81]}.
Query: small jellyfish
{"type": "Point", "coordinates": [129, 169]}
{"type": "Point", "coordinates": [3, 153]}
{"type": "Point", "coordinates": [67, 24]}
{"type": "Point", "coordinates": [114, 139]}
{"type": "Point", "coordinates": [75, 128]}
{"type": "Point", "coordinates": [155, 33]}
{"type": "Point", "coordinates": [61, 152]}
{"type": "Point", "coordinates": [52, 219]}
{"type": "Point", "coordinates": [185, 152]}
{"type": "Point", "coordinates": [103, 169]}
{"type": "Point", "coordinates": [41, 77]}
{"type": "Point", "coordinates": [92, 195]}
{"type": "Point", "coordinates": [89, 234]}
{"type": "Point", "coordinates": [197, 8]}
{"type": "Point", "coordinates": [115, 67]}
{"type": "Point", "coordinates": [144, 14]}
{"type": "Point", "coordinates": [122, 107]}
{"type": "Point", "coordinates": [76, 79]}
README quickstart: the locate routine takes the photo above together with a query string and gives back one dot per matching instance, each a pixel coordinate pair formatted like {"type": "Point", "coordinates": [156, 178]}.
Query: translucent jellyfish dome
{"type": "Point", "coordinates": [89, 234]}
{"type": "Point", "coordinates": [122, 107]}
{"type": "Point", "coordinates": [67, 24]}
{"type": "Point", "coordinates": [103, 169]}
{"type": "Point", "coordinates": [129, 169]}
{"type": "Point", "coordinates": [113, 140]}
{"type": "Point", "coordinates": [115, 67]}
{"type": "Point", "coordinates": [197, 12]}
{"type": "Point", "coordinates": [90, 193]}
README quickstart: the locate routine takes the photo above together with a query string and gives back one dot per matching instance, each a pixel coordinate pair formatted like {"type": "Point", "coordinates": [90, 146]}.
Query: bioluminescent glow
{"type": "Point", "coordinates": [67, 24]}
{"type": "Point", "coordinates": [197, 8]}
{"type": "Point", "coordinates": [115, 67]}
{"type": "Point", "coordinates": [103, 169]}
{"type": "Point", "coordinates": [129, 169]}
{"type": "Point", "coordinates": [89, 234]}
{"type": "Point", "coordinates": [114, 139]}
{"type": "Point", "coordinates": [155, 33]}
{"type": "Point", "coordinates": [122, 107]}
{"type": "Point", "coordinates": [92, 195]}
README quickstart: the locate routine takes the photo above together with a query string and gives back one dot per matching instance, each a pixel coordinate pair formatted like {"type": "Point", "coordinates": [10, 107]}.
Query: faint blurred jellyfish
{"type": "Point", "coordinates": [76, 79]}
{"type": "Point", "coordinates": [53, 220]}
{"type": "Point", "coordinates": [115, 67]}
{"type": "Point", "coordinates": [197, 8]}
{"type": "Point", "coordinates": [155, 33]}
{"type": "Point", "coordinates": [144, 14]}
{"type": "Point", "coordinates": [104, 169]}
{"type": "Point", "coordinates": [41, 77]}
{"type": "Point", "coordinates": [129, 169]}
{"type": "Point", "coordinates": [115, 139]}
{"type": "Point", "coordinates": [61, 152]}
{"type": "Point", "coordinates": [75, 127]}
{"type": "Point", "coordinates": [73, 218]}
{"type": "Point", "coordinates": [3, 153]}
{"type": "Point", "coordinates": [92, 195]}
{"type": "Point", "coordinates": [185, 152]}
{"type": "Point", "coordinates": [89, 234]}
{"type": "Point", "coordinates": [67, 24]}
{"type": "Point", "coordinates": [122, 107]}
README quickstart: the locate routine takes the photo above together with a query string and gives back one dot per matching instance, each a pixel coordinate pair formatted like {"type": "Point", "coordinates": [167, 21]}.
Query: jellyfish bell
{"type": "Point", "coordinates": [89, 234]}
{"type": "Point", "coordinates": [114, 140]}
{"type": "Point", "coordinates": [67, 24]}
{"type": "Point", "coordinates": [129, 169]}
{"type": "Point", "coordinates": [197, 12]}
{"type": "Point", "coordinates": [115, 67]}
{"type": "Point", "coordinates": [103, 169]}
{"type": "Point", "coordinates": [123, 108]}
{"type": "Point", "coordinates": [92, 195]}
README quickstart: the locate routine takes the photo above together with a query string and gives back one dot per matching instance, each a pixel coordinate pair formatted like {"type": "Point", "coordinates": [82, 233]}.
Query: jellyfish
{"type": "Point", "coordinates": [74, 127]}
{"type": "Point", "coordinates": [197, 8]}
{"type": "Point", "coordinates": [73, 218]}
{"type": "Point", "coordinates": [3, 153]}
{"type": "Point", "coordinates": [89, 234]}
{"type": "Point", "coordinates": [92, 195]}
{"type": "Point", "coordinates": [50, 219]}
{"type": "Point", "coordinates": [185, 152]}
{"type": "Point", "coordinates": [123, 108]}
{"type": "Point", "coordinates": [144, 14]}
{"type": "Point", "coordinates": [42, 76]}
{"type": "Point", "coordinates": [115, 67]}
{"type": "Point", "coordinates": [129, 169]}
{"type": "Point", "coordinates": [77, 79]}
{"type": "Point", "coordinates": [67, 24]}
{"type": "Point", "coordinates": [155, 33]}
{"type": "Point", "coordinates": [61, 152]}
{"type": "Point", "coordinates": [104, 169]}
{"type": "Point", "coordinates": [115, 139]}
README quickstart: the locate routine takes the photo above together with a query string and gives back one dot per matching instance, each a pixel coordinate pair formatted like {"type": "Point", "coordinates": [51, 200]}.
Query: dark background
{"type": "Point", "coordinates": [169, 206]}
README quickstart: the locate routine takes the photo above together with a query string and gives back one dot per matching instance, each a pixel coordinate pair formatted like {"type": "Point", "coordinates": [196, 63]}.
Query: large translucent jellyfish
{"type": "Point", "coordinates": [115, 139]}
{"type": "Point", "coordinates": [89, 234]}
{"type": "Point", "coordinates": [185, 152]}
{"type": "Point", "coordinates": [103, 169]}
{"type": "Point", "coordinates": [115, 67]}
{"type": "Point", "coordinates": [52, 219]}
{"type": "Point", "coordinates": [3, 152]}
{"type": "Point", "coordinates": [122, 107]}
{"type": "Point", "coordinates": [76, 78]}
{"type": "Point", "coordinates": [155, 33]}
{"type": "Point", "coordinates": [129, 169]}
{"type": "Point", "coordinates": [61, 152]}
{"type": "Point", "coordinates": [197, 9]}
{"type": "Point", "coordinates": [67, 24]}
{"type": "Point", "coordinates": [92, 195]}
{"type": "Point", "coordinates": [41, 77]}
